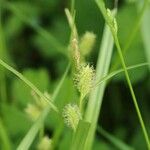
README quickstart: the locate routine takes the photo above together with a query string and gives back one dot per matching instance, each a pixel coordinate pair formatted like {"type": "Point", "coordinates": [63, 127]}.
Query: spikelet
{"type": "Point", "coordinates": [71, 115]}
{"type": "Point", "coordinates": [84, 79]}
{"type": "Point", "coordinates": [32, 111]}
{"type": "Point", "coordinates": [112, 20]}
{"type": "Point", "coordinates": [75, 52]}
{"type": "Point", "coordinates": [45, 144]}
{"type": "Point", "coordinates": [87, 43]}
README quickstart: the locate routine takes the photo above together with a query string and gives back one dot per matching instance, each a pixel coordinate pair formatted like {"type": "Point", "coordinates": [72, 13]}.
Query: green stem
{"type": "Point", "coordinates": [72, 6]}
{"type": "Point", "coordinates": [31, 135]}
{"type": "Point", "coordinates": [96, 96]}
{"type": "Point", "coordinates": [101, 5]}
{"type": "Point", "coordinates": [132, 91]}
{"type": "Point", "coordinates": [81, 103]}
{"type": "Point", "coordinates": [27, 82]}
{"type": "Point", "coordinates": [57, 135]}
{"type": "Point", "coordinates": [132, 34]}
{"type": "Point", "coordinates": [114, 73]}
{"type": "Point", "coordinates": [114, 140]}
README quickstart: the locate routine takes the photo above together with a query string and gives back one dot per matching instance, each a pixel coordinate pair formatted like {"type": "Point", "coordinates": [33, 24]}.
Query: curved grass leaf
{"type": "Point", "coordinates": [96, 96]}
{"type": "Point", "coordinates": [80, 136]}
{"type": "Point", "coordinates": [114, 73]}
{"type": "Point", "coordinates": [112, 139]}
{"type": "Point", "coordinates": [27, 82]}
{"type": "Point", "coordinates": [30, 136]}
{"type": "Point", "coordinates": [132, 34]}
{"type": "Point", "coordinates": [101, 5]}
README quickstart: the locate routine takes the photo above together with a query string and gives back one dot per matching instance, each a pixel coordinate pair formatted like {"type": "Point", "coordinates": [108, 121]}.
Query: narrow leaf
{"type": "Point", "coordinates": [28, 83]}
{"type": "Point", "coordinates": [80, 135]}
{"type": "Point", "coordinates": [96, 97]}
{"type": "Point", "coordinates": [30, 136]}
{"type": "Point", "coordinates": [115, 141]}
{"type": "Point", "coordinates": [114, 73]}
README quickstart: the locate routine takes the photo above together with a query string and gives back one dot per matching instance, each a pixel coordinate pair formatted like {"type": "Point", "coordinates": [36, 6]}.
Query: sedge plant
{"type": "Point", "coordinates": [89, 82]}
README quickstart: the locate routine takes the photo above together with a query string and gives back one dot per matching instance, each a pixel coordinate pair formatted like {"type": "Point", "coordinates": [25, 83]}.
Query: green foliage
{"type": "Point", "coordinates": [127, 14]}
{"type": "Point", "coordinates": [37, 40]}
{"type": "Point", "coordinates": [80, 136]}
{"type": "Point", "coordinates": [39, 77]}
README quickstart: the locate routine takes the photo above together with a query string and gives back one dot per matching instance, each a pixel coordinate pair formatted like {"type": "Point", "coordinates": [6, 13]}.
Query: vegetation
{"type": "Point", "coordinates": [74, 75]}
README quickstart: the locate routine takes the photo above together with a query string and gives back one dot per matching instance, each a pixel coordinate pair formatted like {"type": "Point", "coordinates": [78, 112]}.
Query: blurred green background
{"type": "Point", "coordinates": [34, 36]}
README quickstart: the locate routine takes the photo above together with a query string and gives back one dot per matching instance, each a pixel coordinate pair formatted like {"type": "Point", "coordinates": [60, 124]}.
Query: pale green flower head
{"type": "Point", "coordinates": [72, 115]}
{"type": "Point", "coordinates": [112, 20]}
{"type": "Point", "coordinates": [75, 52]}
{"type": "Point", "coordinates": [84, 79]}
{"type": "Point", "coordinates": [45, 144]}
{"type": "Point", "coordinates": [87, 43]}
{"type": "Point", "coordinates": [32, 111]}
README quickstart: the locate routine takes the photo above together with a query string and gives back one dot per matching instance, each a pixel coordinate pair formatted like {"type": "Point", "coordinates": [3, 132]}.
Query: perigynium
{"type": "Point", "coordinates": [72, 115]}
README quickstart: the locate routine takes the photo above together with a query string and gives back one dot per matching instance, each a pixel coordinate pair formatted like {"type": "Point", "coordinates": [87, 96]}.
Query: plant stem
{"type": "Point", "coordinates": [31, 135]}
{"type": "Point", "coordinates": [72, 6]}
{"type": "Point", "coordinates": [96, 96]}
{"type": "Point", "coordinates": [81, 103]}
{"type": "Point", "coordinates": [101, 5]}
{"type": "Point", "coordinates": [132, 91]}
{"type": "Point", "coordinates": [116, 72]}
{"type": "Point", "coordinates": [114, 140]}
{"type": "Point", "coordinates": [132, 34]}
{"type": "Point", "coordinates": [27, 82]}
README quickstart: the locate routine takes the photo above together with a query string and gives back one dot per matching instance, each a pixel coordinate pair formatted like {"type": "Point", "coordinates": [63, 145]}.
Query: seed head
{"type": "Point", "coordinates": [32, 111]}
{"type": "Point", "coordinates": [112, 20]}
{"type": "Point", "coordinates": [75, 52]}
{"type": "Point", "coordinates": [87, 42]}
{"type": "Point", "coordinates": [84, 79]}
{"type": "Point", "coordinates": [71, 115]}
{"type": "Point", "coordinates": [45, 143]}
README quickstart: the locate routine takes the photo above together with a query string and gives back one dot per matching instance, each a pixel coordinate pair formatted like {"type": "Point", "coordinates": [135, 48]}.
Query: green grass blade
{"type": "Point", "coordinates": [132, 35]}
{"type": "Point", "coordinates": [61, 83]}
{"type": "Point", "coordinates": [72, 8]}
{"type": "Point", "coordinates": [101, 6]}
{"type": "Point", "coordinates": [28, 139]}
{"type": "Point", "coordinates": [27, 82]}
{"type": "Point", "coordinates": [112, 139]}
{"type": "Point", "coordinates": [80, 135]}
{"type": "Point", "coordinates": [114, 73]}
{"type": "Point", "coordinates": [96, 97]}
{"type": "Point", "coordinates": [30, 136]}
